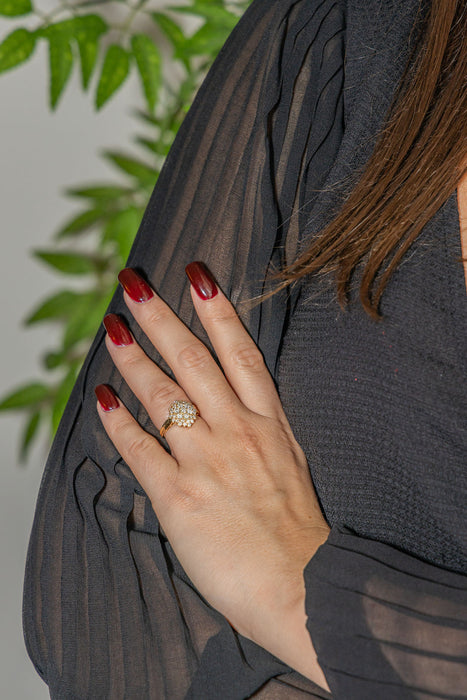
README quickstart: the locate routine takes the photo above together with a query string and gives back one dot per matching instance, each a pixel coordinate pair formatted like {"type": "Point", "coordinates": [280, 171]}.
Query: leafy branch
{"type": "Point", "coordinates": [111, 211]}
{"type": "Point", "coordinates": [79, 35]}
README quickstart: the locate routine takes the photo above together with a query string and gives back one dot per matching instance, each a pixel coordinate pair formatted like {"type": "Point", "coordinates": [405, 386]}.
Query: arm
{"type": "Point", "coordinates": [281, 626]}
{"type": "Point", "coordinates": [383, 623]}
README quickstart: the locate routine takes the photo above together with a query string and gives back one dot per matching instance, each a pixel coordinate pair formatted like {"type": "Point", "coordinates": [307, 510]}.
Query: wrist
{"type": "Point", "coordinates": [279, 621]}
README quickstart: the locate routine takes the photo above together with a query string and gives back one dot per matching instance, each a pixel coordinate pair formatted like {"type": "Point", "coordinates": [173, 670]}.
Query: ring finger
{"type": "Point", "coordinates": [149, 383]}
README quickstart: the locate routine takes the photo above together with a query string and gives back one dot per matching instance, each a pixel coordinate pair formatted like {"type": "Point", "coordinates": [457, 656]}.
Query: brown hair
{"type": "Point", "coordinates": [418, 159]}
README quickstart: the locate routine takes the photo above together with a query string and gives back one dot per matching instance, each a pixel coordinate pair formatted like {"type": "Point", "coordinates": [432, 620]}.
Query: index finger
{"type": "Point", "coordinates": [241, 359]}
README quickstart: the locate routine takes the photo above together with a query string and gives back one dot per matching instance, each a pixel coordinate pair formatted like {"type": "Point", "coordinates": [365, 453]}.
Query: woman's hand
{"type": "Point", "coordinates": [234, 497]}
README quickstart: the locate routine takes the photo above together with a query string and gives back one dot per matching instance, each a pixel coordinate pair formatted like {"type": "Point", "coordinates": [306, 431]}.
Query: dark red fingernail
{"type": "Point", "coordinates": [117, 330]}
{"type": "Point", "coordinates": [106, 397]}
{"type": "Point", "coordinates": [201, 279]}
{"type": "Point", "coordinates": [134, 285]}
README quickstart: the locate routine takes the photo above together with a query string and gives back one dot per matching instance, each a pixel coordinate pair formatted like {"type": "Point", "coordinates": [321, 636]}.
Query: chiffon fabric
{"type": "Point", "coordinates": [281, 127]}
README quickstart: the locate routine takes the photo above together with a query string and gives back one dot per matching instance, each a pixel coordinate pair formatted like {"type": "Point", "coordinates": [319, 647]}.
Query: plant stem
{"type": "Point", "coordinates": [125, 27]}
{"type": "Point", "coordinates": [65, 6]}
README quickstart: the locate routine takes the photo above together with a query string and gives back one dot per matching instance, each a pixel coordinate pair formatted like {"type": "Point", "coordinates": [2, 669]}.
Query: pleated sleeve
{"type": "Point", "coordinates": [386, 624]}
{"type": "Point", "coordinates": [108, 610]}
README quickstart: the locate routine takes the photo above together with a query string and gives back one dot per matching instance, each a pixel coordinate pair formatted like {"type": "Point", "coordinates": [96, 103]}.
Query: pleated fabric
{"type": "Point", "coordinates": [279, 130]}
{"type": "Point", "coordinates": [396, 626]}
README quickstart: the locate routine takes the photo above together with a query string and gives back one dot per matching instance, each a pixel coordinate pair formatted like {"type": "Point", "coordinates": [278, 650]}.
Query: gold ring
{"type": "Point", "coordinates": [182, 413]}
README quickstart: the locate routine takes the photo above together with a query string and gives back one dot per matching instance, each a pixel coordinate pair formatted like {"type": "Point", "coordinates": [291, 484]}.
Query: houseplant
{"type": "Point", "coordinates": [171, 48]}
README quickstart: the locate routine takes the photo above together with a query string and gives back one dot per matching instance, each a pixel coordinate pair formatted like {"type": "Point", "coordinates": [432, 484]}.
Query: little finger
{"type": "Point", "coordinates": [147, 459]}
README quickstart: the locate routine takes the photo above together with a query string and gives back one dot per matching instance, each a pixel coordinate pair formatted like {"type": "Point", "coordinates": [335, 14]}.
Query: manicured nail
{"type": "Point", "coordinates": [117, 330]}
{"type": "Point", "coordinates": [106, 397]}
{"type": "Point", "coordinates": [201, 279]}
{"type": "Point", "coordinates": [134, 285]}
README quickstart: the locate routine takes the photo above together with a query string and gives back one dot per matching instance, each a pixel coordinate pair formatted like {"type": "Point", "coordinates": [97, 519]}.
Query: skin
{"type": "Point", "coordinates": [235, 497]}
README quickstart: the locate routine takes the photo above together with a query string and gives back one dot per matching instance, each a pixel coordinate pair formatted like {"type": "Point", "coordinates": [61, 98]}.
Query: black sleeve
{"type": "Point", "coordinates": [385, 624]}
{"type": "Point", "coordinates": [108, 610]}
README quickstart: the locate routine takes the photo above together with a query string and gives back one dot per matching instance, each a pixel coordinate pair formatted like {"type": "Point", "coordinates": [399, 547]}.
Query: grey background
{"type": "Point", "coordinates": [40, 154]}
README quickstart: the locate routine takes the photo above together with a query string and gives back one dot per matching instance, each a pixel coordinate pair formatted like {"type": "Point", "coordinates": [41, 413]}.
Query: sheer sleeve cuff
{"type": "Point", "coordinates": [386, 624]}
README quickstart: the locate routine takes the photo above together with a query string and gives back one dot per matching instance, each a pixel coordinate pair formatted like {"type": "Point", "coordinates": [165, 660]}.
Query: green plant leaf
{"type": "Point", "coordinates": [98, 192]}
{"type": "Point", "coordinates": [218, 17]}
{"type": "Point", "coordinates": [52, 360]}
{"type": "Point", "coordinates": [82, 223]}
{"type": "Point", "coordinates": [27, 395]}
{"type": "Point", "coordinates": [86, 319]}
{"type": "Point", "coordinates": [160, 147]}
{"type": "Point", "coordinates": [59, 36]}
{"type": "Point", "coordinates": [205, 42]}
{"type": "Point", "coordinates": [58, 306]}
{"type": "Point", "coordinates": [16, 48]}
{"type": "Point", "coordinates": [122, 228]}
{"type": "Point", "coordinates": [61, 64]}
{"type": "Point", "coordinates": [114, 72]}
{"type": "Point", "coordinates": [69, 263]}
{"type": "Point", "coordinates": [15, 8]}
{"type": "Point", "coordinates": [172, 31]}
{"type": "Point", "coordinates": [29, 433]}
{"type": "Point", "coordinates": [148, 118]}
{"type": "Point", "coordinates": [88, 52]}
{"type": "Point", "coordinates": [63, 394]}
{"type": "Point", "coordinates": [134, 167]}
{"type": "Point", "coordinates": [88, 31]}
{"type": "Point", "coordinates": [150, 144]}
{"type": "Point", "coordinates": [148, 61]}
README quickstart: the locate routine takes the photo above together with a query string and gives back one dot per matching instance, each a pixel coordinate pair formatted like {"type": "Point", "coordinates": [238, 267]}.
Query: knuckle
{"type": "Point", "coordinates": [224, 315]}
{"type": "Point", "coordinates": [134, 446]}
{"type": "Point", "coordinates": [163, 394]}
{"type": "Point", "coordinates": [247, 356]}
{"type": "Point", "coordinates": [157, 313]}
{"type": "Point", "coordinates": [140, 447]}
{"type": "Point", "coordinates": [133, 361]}
{"type": "Point", "coordinates": [225, 401]}
{"type": "Point", "coordinates": [250, 438]}
{"type": "Point", "coordinates": [193, 496]}
{"type": "Point", "coordinates": [193, 356]}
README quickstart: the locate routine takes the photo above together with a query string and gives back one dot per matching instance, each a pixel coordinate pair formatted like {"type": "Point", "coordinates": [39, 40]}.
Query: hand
{"type": "Point", "coordinates": [234, 497]}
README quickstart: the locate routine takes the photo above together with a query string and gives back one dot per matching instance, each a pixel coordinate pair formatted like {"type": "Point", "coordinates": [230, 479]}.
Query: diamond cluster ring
{"type": "Point", "coordinates": [182, 413]}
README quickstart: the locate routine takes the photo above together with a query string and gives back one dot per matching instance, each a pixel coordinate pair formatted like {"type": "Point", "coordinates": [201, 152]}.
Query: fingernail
{"type": "Point", "coordinates": [117, 330]}
{"type": "Point", "coordinates": [134, 285]}
{"type": "Point", "coordinates": [106, 397]}
{"type": "Point", "coordinates": [201, 279]}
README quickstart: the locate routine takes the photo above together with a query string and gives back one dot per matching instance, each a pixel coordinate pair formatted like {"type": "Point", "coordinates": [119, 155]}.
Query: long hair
{"type": "Point", "coordinates": [418, 159]}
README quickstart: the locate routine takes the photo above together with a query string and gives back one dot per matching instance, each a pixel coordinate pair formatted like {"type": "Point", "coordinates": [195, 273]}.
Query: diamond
{"type": "Point", "coordinates": [183, 413]}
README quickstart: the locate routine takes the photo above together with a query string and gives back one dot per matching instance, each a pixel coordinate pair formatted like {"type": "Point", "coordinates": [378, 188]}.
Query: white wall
{"type": "Point", "coordinates": [40, 154]}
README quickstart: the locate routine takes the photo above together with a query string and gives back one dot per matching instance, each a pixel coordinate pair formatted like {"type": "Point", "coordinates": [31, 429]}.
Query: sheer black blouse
{"type": "Point", "coordinates": [286, 118]}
